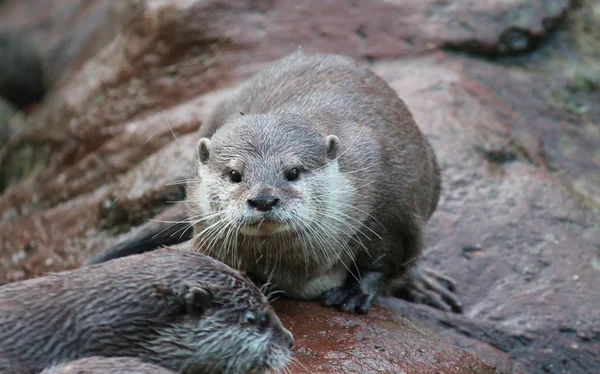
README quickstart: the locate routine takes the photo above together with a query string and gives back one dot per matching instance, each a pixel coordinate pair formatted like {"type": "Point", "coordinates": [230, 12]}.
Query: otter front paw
{"type": "Point", "coordinates": [430, 287]}
{"type": "Point", "coordinates": [349, 299]}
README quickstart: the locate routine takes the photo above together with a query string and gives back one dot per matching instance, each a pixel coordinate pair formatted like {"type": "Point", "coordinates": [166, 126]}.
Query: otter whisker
{"type": "Point", "coordinates": [215, 234]}
{"type": "Point", "coordinates": [352, 228]}
{"type": "Point", "coordinates": [209, 231]}
{"type": "Point", "coordinates": [223, 236]}
{"type": "Point", "coordinates": [310, 248]}
{"type": "Point", "coordinates": [191, 225]}
{"type": "Point", "coordinates": [265, 286]}
{"type": "Point", "coordinates": [183, 181]}
{"type": "Point", "coordinates": [270, 295]}
{"type": "Point", "coordinates": [234, 249]}
{"type": "Point", "coordinates": [271, 275]}
{"type": "Point", "coordinates": [230, 240]}
{"type": "Point", "coordinates": [345, 247]}
{"type": "Point", "coordinates": [360, 223]}
{"type": "Point", "coordinates": [341, 243]}
{"type": "Point", "coordinates": [295, 361]}
{"type": "Point", "coordinates": [365, 213]}
{"type": "Point", "coordinates": [361, 169]}
{"type": "Point", "coordinates": [173, 132]}
{"type": "Point", "coordinates": [191, 219]}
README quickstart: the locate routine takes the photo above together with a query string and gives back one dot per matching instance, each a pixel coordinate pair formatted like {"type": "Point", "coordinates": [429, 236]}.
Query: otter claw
{"type": "Point", "coordinates": [348, 300]}
{"type": "Point", "coordinates": [430, 287]}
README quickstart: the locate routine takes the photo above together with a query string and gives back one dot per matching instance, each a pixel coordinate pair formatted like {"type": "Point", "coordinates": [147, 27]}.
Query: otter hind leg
{"type": "Point", "coordinates": [355, 295]}
{"type": "Point", "coordinates": [430, 287]}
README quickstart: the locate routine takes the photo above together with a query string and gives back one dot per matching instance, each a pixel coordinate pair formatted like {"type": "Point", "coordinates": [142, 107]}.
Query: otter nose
{"type": "Point", "coordinates": [289, 338]}
{"type": "Point", "coordinates": [263, 203]}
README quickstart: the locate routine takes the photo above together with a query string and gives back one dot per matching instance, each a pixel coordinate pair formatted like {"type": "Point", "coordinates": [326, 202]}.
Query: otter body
{"type": "Point", "coordinates": [315, 177]}
{"type": "Point", "coordinates": [181, 310]}
{"type": "Point", "coordinates": [107, 365]}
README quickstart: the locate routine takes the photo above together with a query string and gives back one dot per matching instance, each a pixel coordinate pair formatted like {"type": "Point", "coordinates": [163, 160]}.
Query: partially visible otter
{"type": "Point", "coordinates": [314, 176]}
{"type": "Point", "coordinates": [181, 310]}
{"type": "Point", "coordinates": [107, 365]}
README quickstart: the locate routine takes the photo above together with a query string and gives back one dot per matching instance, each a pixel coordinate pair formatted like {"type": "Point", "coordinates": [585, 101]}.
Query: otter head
{"type": "Point", "coordinates": [263, 175]}
{"type": "Point", "coordinates": [228, 326]}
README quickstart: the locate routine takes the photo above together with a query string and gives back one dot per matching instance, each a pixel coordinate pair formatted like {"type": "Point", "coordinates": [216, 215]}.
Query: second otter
{"type": "Point", "coordinates": [107, 365]}
{"type": "Point", "coordinates": [184, 311]}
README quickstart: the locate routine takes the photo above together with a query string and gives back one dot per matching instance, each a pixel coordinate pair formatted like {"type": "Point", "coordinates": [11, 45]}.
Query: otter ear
{"type": "Point", "coordinates": [203, 150]}
{"type": "Point", "coordinates": [333, 146]}
{"type": "Point", "coordinates": [198, 297]}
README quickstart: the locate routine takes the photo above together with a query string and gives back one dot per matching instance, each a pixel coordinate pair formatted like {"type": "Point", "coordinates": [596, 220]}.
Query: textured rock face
{"type": "Point", "coordinates": [103, 148]}
{"type": "Point", "coordinates": [334, 342]}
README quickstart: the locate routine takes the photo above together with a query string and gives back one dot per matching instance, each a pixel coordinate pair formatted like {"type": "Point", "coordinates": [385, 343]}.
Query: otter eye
{"type": "Point", "coordinates": [251, 317]}
{"type": "Point", "coordinates": [235, 177]}
{"type": "Point", "coordinates": [260, 319]}
{"type": "Point", "coordinates": [292, 174]}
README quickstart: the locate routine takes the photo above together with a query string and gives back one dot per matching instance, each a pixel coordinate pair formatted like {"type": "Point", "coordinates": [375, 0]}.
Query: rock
{"type": "Point", "coordinates": [519, 244]}
{"type": "Point", "coordinates": [328, 341]}
{"type": "Point", "coordinates": [185, 48]}
{"type": "Point", "coordinates": [22, 79]}
{"type": "Point", "coordinates": [74, 31]}
{"type": "Point", "coordinates": [65, 33]}
{"type": "Point", "coordinates": [501, 28]}
{"type": "Point", "coordinates": [107, 142]}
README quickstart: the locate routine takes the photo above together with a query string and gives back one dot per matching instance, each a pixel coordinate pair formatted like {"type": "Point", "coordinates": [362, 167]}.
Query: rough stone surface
{"type": "Point", "coordinates": [65, 32]}
{"type": "Point", "coordinates": [329, 341]}
{"type": "Point", "coordinates": [521, 245]}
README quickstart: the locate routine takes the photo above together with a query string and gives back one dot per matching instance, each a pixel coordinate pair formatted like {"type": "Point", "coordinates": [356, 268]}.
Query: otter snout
{"type": "Point", "coordinates": [288, 338]}
{"type": "Point", "coordinates": [263, 203]}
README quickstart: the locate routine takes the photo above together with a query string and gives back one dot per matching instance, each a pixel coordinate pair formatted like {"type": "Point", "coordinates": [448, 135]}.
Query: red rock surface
{"type": "Point", "coordinates": [328, 341]}
{"type": "Point", "coordinates": [102, 149]}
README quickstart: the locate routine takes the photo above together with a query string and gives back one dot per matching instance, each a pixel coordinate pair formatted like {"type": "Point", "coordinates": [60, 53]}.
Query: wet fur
{"type": "Point", "coordinates": [181, 310]}
{"type": "Point", "coordinates": [107, 365]}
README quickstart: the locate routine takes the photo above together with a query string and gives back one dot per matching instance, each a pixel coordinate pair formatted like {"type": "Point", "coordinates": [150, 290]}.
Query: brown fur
{"type": "Point", "coordinates": [181, 310]}
{"type": "Point", "coordinates": [366, 162]}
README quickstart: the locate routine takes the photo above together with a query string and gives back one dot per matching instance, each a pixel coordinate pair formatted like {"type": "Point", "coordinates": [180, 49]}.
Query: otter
{"type": "Point", "coordinates": [313, 176]}
{"type": "Point", "coordinates": [107, 365]}
{"type": "Point", "coordinates": [181, 310]}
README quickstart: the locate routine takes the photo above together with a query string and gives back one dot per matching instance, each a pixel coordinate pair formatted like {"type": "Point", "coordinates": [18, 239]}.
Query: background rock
{"type": "Point", "coordinates": [96, 159]}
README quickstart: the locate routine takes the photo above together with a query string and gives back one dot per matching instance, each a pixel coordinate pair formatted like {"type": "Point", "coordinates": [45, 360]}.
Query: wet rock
{"type": "Point", "coordinates": [522, 247]}
{"type": "Point", "coordinates": [328, 341]}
